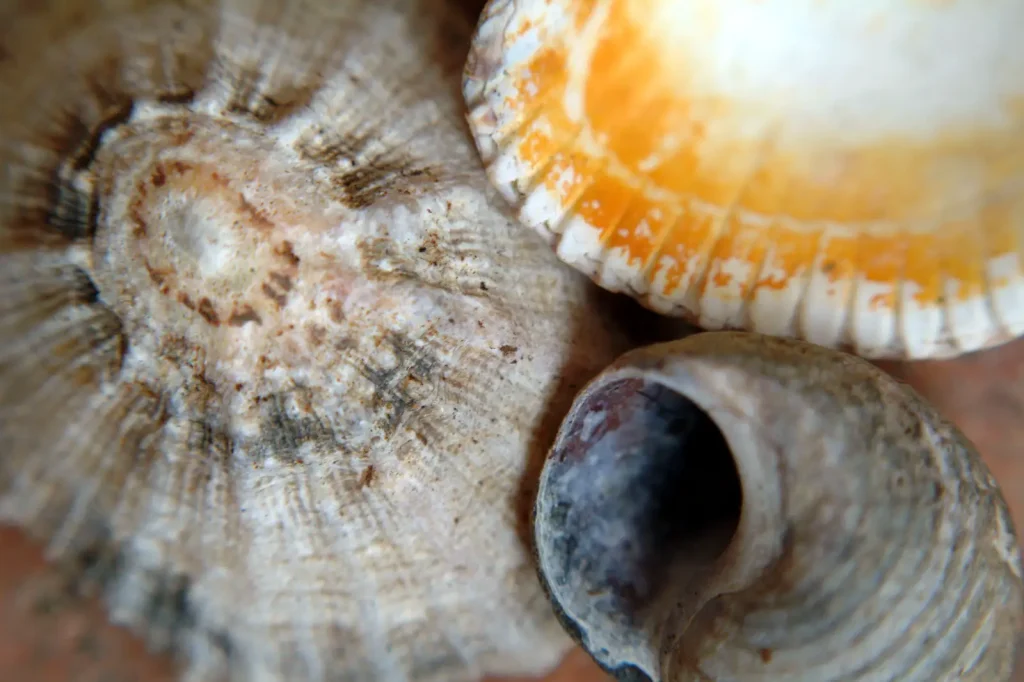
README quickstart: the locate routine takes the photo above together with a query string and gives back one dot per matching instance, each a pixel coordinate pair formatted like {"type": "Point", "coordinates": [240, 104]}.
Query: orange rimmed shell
{"type": "Point", "coordinates": [851, 173]}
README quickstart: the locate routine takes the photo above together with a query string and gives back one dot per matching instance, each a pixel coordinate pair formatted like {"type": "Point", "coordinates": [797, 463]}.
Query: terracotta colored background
{"type": "Point", "coordinates": [48, 636]}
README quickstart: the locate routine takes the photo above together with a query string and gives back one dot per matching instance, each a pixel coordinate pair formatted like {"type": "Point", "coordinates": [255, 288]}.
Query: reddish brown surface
{"type": "Point", "coordinates": [46, 636]}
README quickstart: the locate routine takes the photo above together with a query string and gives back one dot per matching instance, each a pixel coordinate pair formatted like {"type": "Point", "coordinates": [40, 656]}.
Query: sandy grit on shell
{"type": "Point", "coordinates": [849, 173]}
{"type": "Point", "coordinates": [276, 368]}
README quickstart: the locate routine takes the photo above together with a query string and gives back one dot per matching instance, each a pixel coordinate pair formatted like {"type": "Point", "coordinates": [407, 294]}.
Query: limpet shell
{"type": "Point", "coordinates": [850, 173]}
{"type": "Point", "coordinates": [277, 365]}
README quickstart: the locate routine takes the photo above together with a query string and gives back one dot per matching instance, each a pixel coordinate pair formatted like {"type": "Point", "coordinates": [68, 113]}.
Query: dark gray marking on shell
{"type": "Point", "coordinates": [99, 563]}
{"type": "Point", "coordinates": [629, 673]}
{"type": "Point", "coordinates": [85, 139]}
{"type": "Point", "coordinates": [106, 103]}
{"type": "Point", "coordinates": [324, 145]}
{"type": "Point", "coordinates": [642, 473]}
{"type": "Point", "coordinates": [623, 673]}
{"type": "Point", "coordinates": [431, 653]}
{"type": "Point", "coordinates": [81, 284]}
{"type": "Point", "coordinates": [98, 560]}
{"type": "Point", "coordinates": [365, 179]}
{"type": "Point", "coordinates": [72, 212]}
{"type": "Point", "coordinates": [183, 96]}
{"type": "Point", "coordinates": [249, 98]}
{"type": "Point", "coordinates": [80, 328]}
{"type": "Point", "coordinates": [284, 432]}
{"type": "Point", "coordinates": [35, 291]}
{"type": "Point", "coordinates": [344, 638]}
{"type": "Point", "coordinates": [366, 184]}
{"type": "Point", "coordinates": [366, 163]}
{"type": "Point", "coordinates": [73, 209]}
{"type": "Point", "coordinates": [167, 610]}
{"type": "Point", "coordinates": [391, 387]}
{"type": "Point", "coordinates": [440, 261]}
{"type": "Point", "coordinates": [339, 641]}
{"type": "Point", "coordinates": [205, 437]}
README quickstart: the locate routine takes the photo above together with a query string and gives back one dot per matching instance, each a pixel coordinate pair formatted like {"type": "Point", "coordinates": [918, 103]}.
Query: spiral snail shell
{"type": "Point", "coordinates": [850, 173]}
{"type": "Point", "coordinates": [735, 507]}
{"type": "Point", "coordinates": [277, 366]}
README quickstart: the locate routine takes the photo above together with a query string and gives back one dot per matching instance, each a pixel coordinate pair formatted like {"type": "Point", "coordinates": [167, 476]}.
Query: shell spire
{"type": "Point", "coordinates": [850, 173]}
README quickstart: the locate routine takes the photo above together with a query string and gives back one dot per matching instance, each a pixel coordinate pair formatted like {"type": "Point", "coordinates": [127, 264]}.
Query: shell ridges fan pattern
{"type": "Point", "coordinates": [276, 364]}
{"type": "Point", "coordinates": [834, 172]}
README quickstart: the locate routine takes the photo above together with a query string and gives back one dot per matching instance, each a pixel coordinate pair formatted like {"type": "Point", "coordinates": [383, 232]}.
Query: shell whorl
{"type": "Point", "coordinates": [276, 366]}
{"type": "Point", "coordinates": [735, 507]}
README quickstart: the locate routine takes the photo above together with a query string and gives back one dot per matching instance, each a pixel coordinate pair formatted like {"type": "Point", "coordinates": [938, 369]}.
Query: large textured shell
{"type": "Point", "coordinates": [851, 173]}
{"type": "Point", "coordinates": [276, 368]}
{"type": "Point", "coordinates": [737, 508]}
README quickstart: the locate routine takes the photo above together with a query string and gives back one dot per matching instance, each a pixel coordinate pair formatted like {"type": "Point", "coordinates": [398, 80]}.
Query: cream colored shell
{"type": "Point", "coordinates": [737, 508]}
{"type": "Point", "coordinates": [276, 369]}
{"type": "Point", "coordinates": [851, 173]}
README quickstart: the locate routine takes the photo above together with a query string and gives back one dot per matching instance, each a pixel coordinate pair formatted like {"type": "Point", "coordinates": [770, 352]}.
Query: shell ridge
{"type": "Point", "coordinates": [205, 183]}
{"type": "Point", "coordinates": [989, 288]}
{"type": "Point", "coordinates": [749, 289]}
{"type": "Point", "coordinates": [838, 167]}
{"type": "Point", "coordinates": [451, 642]}
{"type": "Point", "coordinates": [651, 263]}
{"type": "Point", "coordinates": [608, 233]}
{"type": "Point", "coordinates": [800, 324]}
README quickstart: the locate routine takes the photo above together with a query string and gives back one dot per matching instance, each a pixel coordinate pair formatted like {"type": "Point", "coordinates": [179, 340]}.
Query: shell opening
{"type": "Point", "coordinates": [736, 507]}
{"type": "Point", "coordinates": [640, 498]}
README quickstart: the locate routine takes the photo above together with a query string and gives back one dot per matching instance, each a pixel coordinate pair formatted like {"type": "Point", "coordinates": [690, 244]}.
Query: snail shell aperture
{"type": "Point", "coordinates": [735, 507]}
{"type": "Point", "coordinates": [276, 362]}
{"type": "Point", "coordinates": [851, 173]}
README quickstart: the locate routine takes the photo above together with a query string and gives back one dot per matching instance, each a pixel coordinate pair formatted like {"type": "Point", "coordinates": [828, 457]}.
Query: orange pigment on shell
{"type": "Point", "coordinates": [725, 198]}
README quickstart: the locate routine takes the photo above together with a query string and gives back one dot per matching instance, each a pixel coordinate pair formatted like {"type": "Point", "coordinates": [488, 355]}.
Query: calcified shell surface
{"type": "Point", "coordinates": [275, 367]}
{"type": "Point", "coordinates": [847, 172]}
{"type": "Point", "coordinates": [737, 508]}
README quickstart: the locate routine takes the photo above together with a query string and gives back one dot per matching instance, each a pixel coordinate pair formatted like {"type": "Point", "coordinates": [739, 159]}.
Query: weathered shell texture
{"type": "Point", "coordinates": [277, 364]}
{"type": "Point", "coordinates": [735, 507]}
{"type": "Point", "coordinates": [851, 173]}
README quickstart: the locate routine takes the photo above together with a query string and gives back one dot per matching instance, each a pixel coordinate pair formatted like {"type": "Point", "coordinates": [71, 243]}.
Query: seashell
{"type": "Point", "coordinates": [736, 507]}
{"type": "Point", "coordinates": [847, 173]}
{"type": "Point", "coordinates": [277, 365]}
